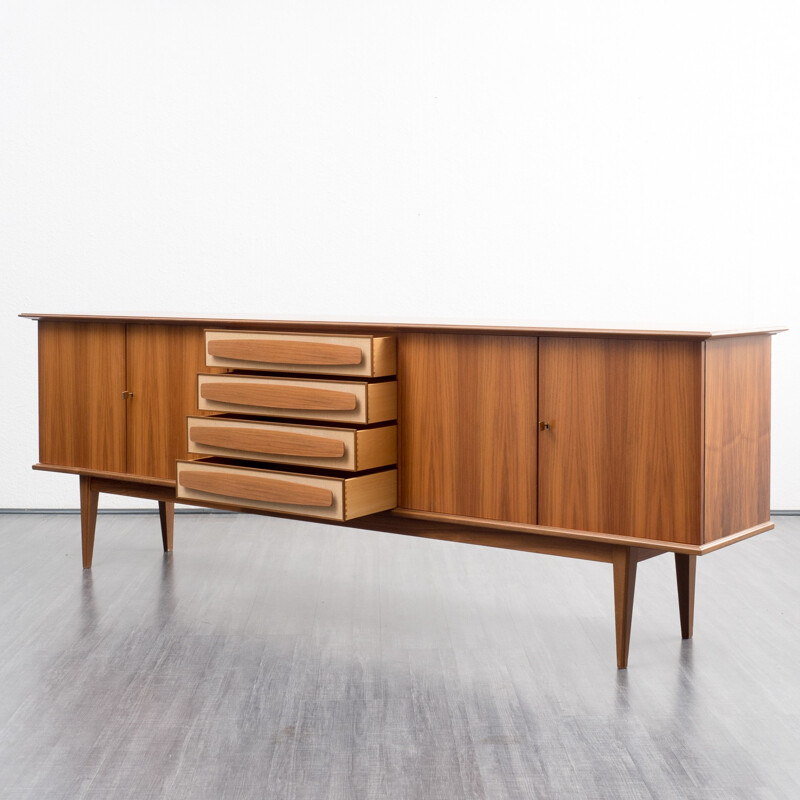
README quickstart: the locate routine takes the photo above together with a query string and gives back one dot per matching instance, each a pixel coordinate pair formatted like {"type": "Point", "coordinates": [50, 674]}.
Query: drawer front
{"type": "Point", "coordinates": [309, 445]}
{"type": "Point", "coordinates": [287, 492]}
{"type": "Point", "coordinates": [337, 401]}
{"type": "Point", "coordinates": [359, 356]}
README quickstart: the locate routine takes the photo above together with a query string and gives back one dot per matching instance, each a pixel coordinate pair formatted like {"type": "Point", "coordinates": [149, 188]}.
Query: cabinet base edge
{"type": "Point", "coordinates": [583, 536]}
{"type": "Point", "coordinates": [127, 477]}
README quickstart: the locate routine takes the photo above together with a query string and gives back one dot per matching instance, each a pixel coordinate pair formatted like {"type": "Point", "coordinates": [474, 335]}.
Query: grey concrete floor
{"type": "Point", "coordinates": [268, 658]}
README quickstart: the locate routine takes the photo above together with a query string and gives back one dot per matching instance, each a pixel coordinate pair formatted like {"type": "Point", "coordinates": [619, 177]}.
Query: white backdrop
{"type": "Point", "coordinates": [601, 163]}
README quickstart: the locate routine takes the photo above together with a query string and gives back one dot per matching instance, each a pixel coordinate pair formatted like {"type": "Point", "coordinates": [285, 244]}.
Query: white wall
{"type": "Point", "coordinates": [614, 162]}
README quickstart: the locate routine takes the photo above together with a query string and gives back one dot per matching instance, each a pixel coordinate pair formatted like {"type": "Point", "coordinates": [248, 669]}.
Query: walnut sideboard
{"type": "Point", "coordinates": [608, 445]}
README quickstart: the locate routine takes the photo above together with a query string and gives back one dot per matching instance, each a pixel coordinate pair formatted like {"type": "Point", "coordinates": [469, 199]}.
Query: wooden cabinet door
{"type": "Point", "coordinates": [467, 425]}
{"type": "Point", "coordinates": [81, 406]}
{"type": "Point", "coordinates": [623, 453]}
{"type": "Point", "coordinates": [162, 366]}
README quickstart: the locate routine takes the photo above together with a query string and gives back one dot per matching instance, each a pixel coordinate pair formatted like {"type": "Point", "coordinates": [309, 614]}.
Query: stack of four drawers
{"type": "Point", "coordinates": [259, 452]}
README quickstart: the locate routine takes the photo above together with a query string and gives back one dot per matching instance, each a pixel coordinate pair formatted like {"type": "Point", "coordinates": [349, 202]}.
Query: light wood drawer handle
{"type": "Point", "coordinates": [279, 352]}
{"type": "Point", "coordinates": [250, 487]}
{"type": "Point", "coordinates": [267, 442]}
{"type": "Point", "coordinates": [271, 396]}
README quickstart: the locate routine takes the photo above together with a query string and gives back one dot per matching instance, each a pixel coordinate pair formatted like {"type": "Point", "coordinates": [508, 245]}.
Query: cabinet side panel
{"type": "Point", "coordinates": [737, 434]}
{"type": "Point", "coordinates": [81, 407]}
{"type": "Point", "coordinates": [163, 362]}
{"type": "Point", "coordinates": [467, 425]}
{"type": "Point", "coordinates": [623, 452]}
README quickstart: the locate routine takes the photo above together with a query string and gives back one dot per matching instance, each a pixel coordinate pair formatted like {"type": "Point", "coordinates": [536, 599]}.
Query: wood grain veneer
{"type": "Point", "coordinates": [271, 395]}
{"type": "Point", "coordinates": [376, 447]}
{"type": "Point", "coordinates": [369, 494]}
{"type": "Point", "coordinates": [321, 399]}
{"type": "Point", "coordinates": [81, 408]}
{"type": "Point", "coordinates": [346, 448]}
{"type": "Point", "coordinates": [384, 355]}
{"type": "Point", "coordinates": [244, 486]}
{"type": "Point", "coordinates": [283, 353]}
{"type": "Point", "coordinates": [623, 452]}
{"type": "Point", "coordinates": [328, 354]}
{"type": "Point", "coordinates": [737, 443]}
{"type": "Point", "coordinates": [265, 442]}
{"type": "Point", "coordinates": [162, 364]}
{"type": "Point", "coordinates": [381, 402]}
{"type": "Point", "coordinates": [467, 425]}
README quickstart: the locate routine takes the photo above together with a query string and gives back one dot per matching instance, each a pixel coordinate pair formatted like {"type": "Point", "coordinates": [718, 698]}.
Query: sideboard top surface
{"type": "Point", "coordinates": [508, 329]}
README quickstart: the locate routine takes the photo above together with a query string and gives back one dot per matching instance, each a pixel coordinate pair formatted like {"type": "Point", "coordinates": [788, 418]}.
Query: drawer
{"type": "Point", "coordinates": [333, 448]}
{"type": "Point", "coordinates": [336, 401]}
{"type": "Point", "coordinates": [308, 493]}
{"type": "Point", "coordinates": [330, 354]}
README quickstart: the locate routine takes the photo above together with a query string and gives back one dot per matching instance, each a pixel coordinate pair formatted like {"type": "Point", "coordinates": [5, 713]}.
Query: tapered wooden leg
{"type": "Point", "coordinates": [685, 568]}
{"type": "Point", "coordinates": [88, 519]}
{"type": "Point", "coordinates": [624, 560]}
{"type": "Point", "coordinates": [166, 511]}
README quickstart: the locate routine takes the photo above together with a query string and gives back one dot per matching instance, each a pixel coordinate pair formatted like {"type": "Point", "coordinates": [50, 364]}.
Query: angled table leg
{"type": "Point", "coordinates": [624, 560]}
{"type": "Point", "coordinates": [685, 568]}
{"type": "Point", "coordinates": [89, 497]}
{"type": "Point", "coordinates": [166, 512]}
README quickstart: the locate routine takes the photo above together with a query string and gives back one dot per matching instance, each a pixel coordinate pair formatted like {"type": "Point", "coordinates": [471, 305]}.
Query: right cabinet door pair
{"type": "Point", "coordinates": [620, 451]}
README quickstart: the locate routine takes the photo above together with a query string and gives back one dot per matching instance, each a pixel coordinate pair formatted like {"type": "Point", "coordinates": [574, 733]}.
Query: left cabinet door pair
{"type": "Point", "coordinates": [86, 419]}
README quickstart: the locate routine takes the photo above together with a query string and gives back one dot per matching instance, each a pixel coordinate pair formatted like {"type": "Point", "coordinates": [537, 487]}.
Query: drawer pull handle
{"type": "Point", "coordinates": [250, 487]}
{"type": "Point", "coordinates": [267, 442]}
{"type": "Point", "coordinates": [275, 352]}
{"type": "Point", "coordinates": [271, 396]}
